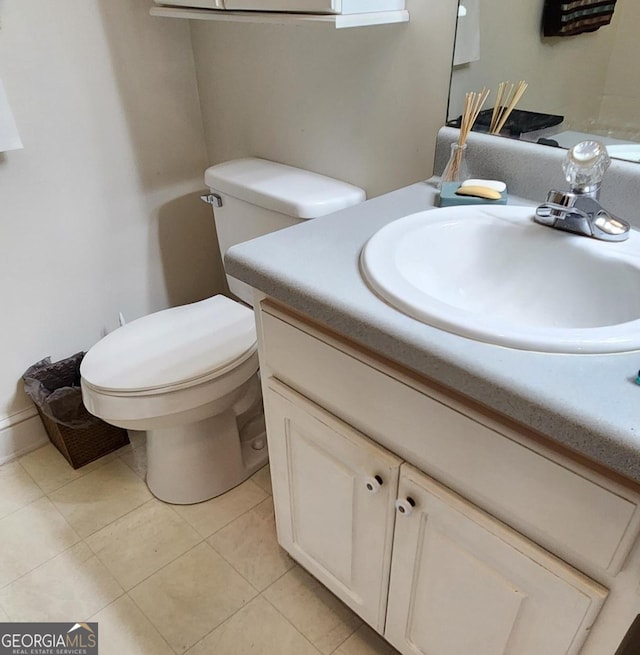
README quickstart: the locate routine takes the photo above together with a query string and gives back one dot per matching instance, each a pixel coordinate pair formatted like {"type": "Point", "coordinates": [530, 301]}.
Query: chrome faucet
{"type": "Point", "coordinates": [579, 210]}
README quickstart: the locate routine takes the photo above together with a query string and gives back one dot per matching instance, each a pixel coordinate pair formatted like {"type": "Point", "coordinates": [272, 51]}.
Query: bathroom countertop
{"type": "Point", "coordinates": [589, 403]}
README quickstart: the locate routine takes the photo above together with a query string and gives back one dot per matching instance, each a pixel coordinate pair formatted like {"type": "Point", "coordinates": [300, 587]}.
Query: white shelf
{"type": "Point", "coordinates": [337, 21]}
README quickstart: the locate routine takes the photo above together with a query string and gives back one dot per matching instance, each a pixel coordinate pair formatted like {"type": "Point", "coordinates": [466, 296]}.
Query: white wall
{"type": "Point", "coordinates": [98, 213]}
{"type": "Point", "coordinates": [363, 104]}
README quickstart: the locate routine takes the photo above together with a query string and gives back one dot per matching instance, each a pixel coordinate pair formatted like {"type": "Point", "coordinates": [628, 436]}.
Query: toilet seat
{"type": "Point", "coordinates": [173, 349]}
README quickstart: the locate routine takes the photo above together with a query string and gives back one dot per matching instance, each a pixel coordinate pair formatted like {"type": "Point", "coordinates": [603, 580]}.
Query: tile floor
{"type": "Point", "coordinates": [207, 579]}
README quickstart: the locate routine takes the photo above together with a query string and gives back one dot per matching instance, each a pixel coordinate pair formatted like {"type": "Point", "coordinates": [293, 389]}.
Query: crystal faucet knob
{"type": "Point", "coordinates": [585, 166]}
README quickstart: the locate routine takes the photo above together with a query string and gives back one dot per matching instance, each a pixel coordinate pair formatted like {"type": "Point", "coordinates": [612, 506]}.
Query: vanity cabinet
{"type": "Point", "coordinates": [460, 580]}
{"type": "Point", "coordinates": [499, 543]}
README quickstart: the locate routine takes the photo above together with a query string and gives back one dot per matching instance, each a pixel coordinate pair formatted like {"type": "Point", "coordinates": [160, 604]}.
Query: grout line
{"type": "Point", "coordinates": [251, 600]}
{"type": "Point", "coordinates": [282, 576]}
{"type": "Point", "coordinates": [19, 463]}
{"type": "Point", "coordinates": [257, 595]}
{"type": "Point", "coordinates": [78, 473]}
{"type": "Point", "coordinates": [234, 566]}
{"type": "Point", "coordinates": [361, 622]}
{"type": "Point", "coordinates": [235, 518]}
{"type": "Point", "coordinates": [133, 600]}
{"type": "Point", "coordinates": [73, 530]}
{"type": "Point", "coordinates": [135, 586]}
{"type": "Point", "coordinates": [37, 566]}
{"type": "Point", "coordinates": [258, 592]}
{"type": "Point", "coordinates": [31, 502]}
{"type": "Point", "coordinates": [104, 527]}
{"type": "Point", "coordinates": [177, 557]}
{"type": "Point", "coordinates": [108, 461]}
{"type": "Point", "coordinates": [149, 621]}
{"type": "Point", "coordinates": [287, 619]}
{"type": "Point", "coordinates": [129, 511]}
{"type": "Point", "coordinates": [345, 639]}
{"type": "Point", "coordinates": [117, 598]}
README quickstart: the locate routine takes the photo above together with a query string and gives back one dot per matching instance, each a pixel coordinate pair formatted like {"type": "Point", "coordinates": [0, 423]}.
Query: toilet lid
{"type": "Point", "coordinates": [172, 347]}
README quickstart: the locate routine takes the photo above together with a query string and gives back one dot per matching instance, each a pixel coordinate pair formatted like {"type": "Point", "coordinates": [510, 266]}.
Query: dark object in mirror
{"type": "Point", "coordinates": [520, 122]}
{"type": "Point", "coordinates": [548, 142]}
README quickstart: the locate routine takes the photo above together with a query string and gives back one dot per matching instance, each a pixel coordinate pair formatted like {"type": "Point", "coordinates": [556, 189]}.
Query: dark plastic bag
{"type": "Point", "coordinates": [55, 389]}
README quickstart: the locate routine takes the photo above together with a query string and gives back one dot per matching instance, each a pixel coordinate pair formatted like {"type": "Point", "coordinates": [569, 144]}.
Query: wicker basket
{"type": "Point", "coordinates": [83, 445]}
{"type": "Point", "coordinates": [79, 445]}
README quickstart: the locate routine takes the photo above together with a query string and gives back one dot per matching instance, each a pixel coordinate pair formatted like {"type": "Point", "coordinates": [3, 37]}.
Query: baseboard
{"type": "Point", "coordinates": [20, 433]}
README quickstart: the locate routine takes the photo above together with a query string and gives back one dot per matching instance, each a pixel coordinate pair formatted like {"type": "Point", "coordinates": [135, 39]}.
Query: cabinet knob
{"type": "Point", "coordinates": [373, 484]}
{"type": "Point", "coordinates": [405, 506]}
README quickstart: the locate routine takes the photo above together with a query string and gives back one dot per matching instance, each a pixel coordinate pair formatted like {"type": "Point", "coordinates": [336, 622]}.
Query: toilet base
{"type": "Point", "coordinates": [198, 461]}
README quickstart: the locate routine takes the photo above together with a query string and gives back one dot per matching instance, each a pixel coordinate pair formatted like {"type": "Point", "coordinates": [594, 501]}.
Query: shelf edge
{"type": "Point", "coordinates": [339, 21]}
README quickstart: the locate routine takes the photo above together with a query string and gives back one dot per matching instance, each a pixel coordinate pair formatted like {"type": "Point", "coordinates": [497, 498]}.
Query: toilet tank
{"type": "Point", "coordinates": [260, 196]}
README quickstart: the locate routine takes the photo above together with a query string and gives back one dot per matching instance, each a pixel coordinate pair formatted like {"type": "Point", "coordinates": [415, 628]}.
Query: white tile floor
{"type": "Point", "coordinates": [207, 579]}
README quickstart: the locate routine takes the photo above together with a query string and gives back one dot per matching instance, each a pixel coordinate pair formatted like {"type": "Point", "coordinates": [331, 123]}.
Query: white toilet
{"type": "Point", "coordinates": [188, 376]}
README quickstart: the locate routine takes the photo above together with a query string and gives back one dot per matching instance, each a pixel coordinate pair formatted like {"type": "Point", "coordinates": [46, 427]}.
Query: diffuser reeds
{"type": "Point", "coordinates": [473, 103]}
{"type": "Point", "coordinates": [507, 98]}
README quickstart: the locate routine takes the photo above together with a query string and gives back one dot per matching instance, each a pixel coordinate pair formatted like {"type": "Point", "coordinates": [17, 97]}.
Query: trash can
{"type": "Point", "coordinates": [78, 435]}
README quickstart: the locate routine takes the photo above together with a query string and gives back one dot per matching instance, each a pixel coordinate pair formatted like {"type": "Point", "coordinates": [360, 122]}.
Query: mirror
{"type": "Point", "coordinates": [591, 80]}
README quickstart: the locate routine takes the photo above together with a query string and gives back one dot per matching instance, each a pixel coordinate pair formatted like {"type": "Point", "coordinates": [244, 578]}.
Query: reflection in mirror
{"type": "Point", "coordinates": [591, 80]}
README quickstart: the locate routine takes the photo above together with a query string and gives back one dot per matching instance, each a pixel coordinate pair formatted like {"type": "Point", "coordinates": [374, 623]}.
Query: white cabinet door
{"type": "Point", "coordinates": [462, 582]}
{"type": "Point", "coordinates": [334, 492]}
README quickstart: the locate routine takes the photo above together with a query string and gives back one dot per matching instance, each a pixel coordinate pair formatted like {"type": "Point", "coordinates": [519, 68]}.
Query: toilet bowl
{"type": "Point", "coordinates": [188, 376]}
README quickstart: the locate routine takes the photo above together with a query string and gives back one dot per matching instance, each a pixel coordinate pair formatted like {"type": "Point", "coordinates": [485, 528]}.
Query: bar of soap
{"type": "Point", "coordinates": [479, 192]}
{"type": "Point", "coordinates": [496, 185]}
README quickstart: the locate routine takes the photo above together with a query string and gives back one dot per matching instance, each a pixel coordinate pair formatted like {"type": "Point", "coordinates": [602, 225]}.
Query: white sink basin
{"type": "Point", "coordinates": [492, 274]}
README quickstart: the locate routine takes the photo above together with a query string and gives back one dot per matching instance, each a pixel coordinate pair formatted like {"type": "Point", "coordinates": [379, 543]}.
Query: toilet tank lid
{"type": "Point", "coordinates": [178, 346]}
{"type": "Point", "coordinates": [285, 189]}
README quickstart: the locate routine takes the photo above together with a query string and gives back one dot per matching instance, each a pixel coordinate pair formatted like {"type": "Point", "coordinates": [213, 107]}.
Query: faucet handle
{"type": "Point", "coordinates": [585, 166]}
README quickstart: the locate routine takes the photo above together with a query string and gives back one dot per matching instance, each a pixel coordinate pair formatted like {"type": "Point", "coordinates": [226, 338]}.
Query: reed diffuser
{"type": "Point", "coordinates": [507, 98]}
{"type": "Point", "coordinates": [456, 169]}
